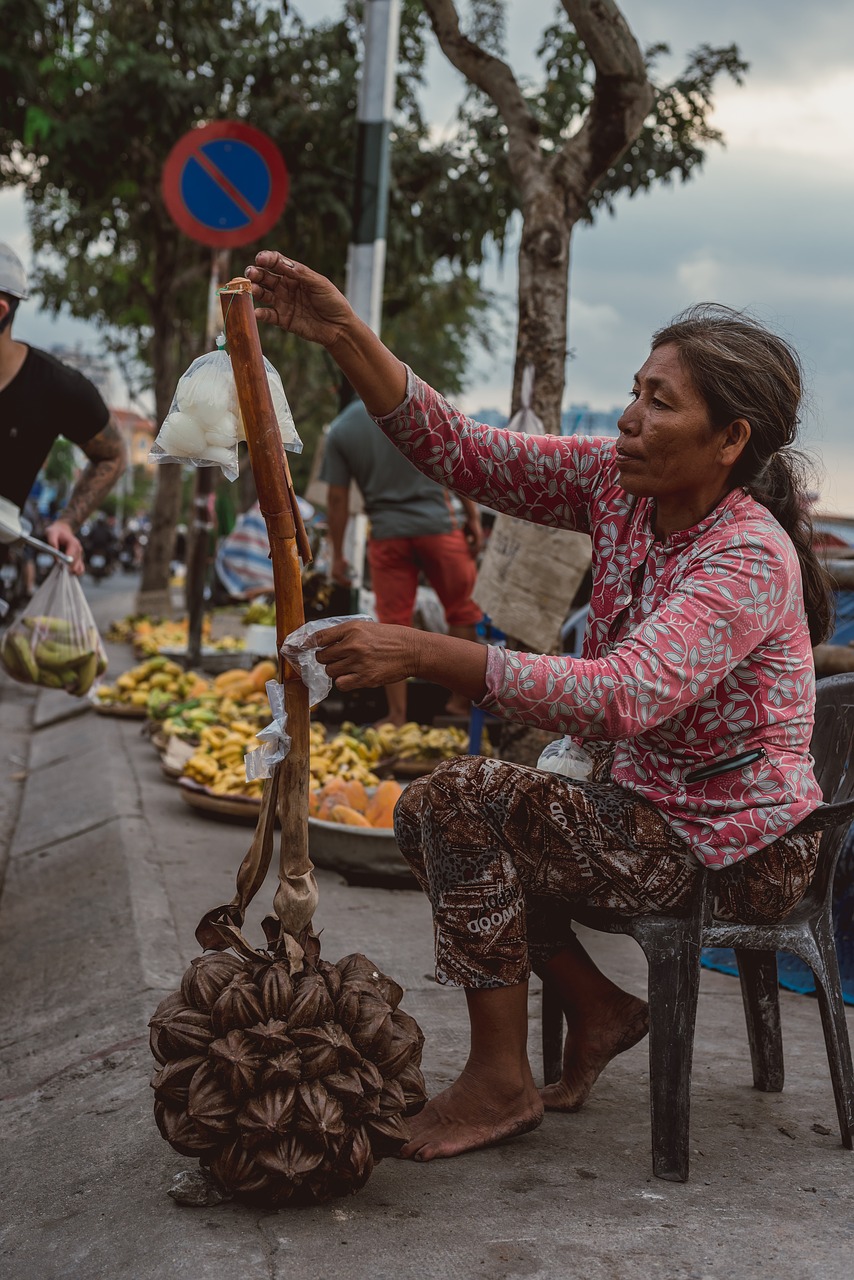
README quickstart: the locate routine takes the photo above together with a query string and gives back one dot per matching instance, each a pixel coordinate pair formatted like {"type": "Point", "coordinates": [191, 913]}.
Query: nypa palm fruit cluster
{"type": "Point", "coordinates": [287, 1087]}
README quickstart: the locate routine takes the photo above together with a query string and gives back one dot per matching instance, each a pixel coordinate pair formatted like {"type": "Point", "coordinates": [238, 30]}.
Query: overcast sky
{"type": "Point", "coordinates": [765, 225]}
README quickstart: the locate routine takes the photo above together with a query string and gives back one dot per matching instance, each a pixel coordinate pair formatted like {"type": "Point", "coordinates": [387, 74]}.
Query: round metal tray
{"type": "Point", "coordinates": [362, 855]}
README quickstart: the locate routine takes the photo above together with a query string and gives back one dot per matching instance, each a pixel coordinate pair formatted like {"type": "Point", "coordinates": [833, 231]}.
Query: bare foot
{"type": "Point", "coordinates": [590, 1048]}
{"type": "Point", "coordinates": [472, 1113]}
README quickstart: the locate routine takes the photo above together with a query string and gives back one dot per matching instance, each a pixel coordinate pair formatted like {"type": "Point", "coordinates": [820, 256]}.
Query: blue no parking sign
{"type": "Point", "coordinates": [225, 184]}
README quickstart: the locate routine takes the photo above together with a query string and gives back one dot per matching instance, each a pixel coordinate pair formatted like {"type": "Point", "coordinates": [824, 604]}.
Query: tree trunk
{"type": "Point", "coordinates": [153, 596]}
{"type": "Point", "coordinates": [543, 299]}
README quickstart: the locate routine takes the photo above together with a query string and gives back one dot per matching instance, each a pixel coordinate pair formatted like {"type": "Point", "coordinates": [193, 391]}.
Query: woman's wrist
{"type": "Point", "coordinates": [376, 375]}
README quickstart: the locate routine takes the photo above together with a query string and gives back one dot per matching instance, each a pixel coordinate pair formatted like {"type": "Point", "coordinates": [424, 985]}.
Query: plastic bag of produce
{"type": "Point", "coordinates": [300, 649]}
{"type": "Point", "coordinates": [203, 425]}
{"type": "Point", "coordinates": [55, 641]}
{"type": "Point", "coordinates": [567, 758]}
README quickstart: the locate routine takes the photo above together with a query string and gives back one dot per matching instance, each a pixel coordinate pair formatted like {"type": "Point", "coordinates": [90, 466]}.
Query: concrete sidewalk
{"type": "Point", "coordinates": [108, 874]}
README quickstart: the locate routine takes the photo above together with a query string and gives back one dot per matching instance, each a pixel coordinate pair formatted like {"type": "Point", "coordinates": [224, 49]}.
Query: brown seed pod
{"type": "Point", "coordinates": [348, 1054]}
{"type": "Point", "coordinates": [237, 1061]}
{"type": "Point", "coordinates": [284, 1067]}
{"type": "Point", "coordinates": [405, 1023]}
{"type": "Point", "coordinates": [414, 1092]}
{"type": "Point", "coordinates": [292, 1159]}
{"type": "Point", "coordinates": [206, 977]}
{"type": "Point", "coordinates": [236, 1171]}
{"type": "Point", "coordinates": [186, 1032]}
{"type": "Point", "coordinates": [347, 1087]}
{"type": "Point", "coordinates": [319, 1113]}
{"type": "Point", "coordinates": [312, 1004]}
{"type": "Point", "coordinates": [357, 965]}
{"type": "Point", "coordinates": [318, 1051]}
{"type": "Point", "coordinates": [332, 978]}
{"type": "Point", "coordinates": [402, 1049]}
{"type": "Point", "coordinates": [237, 1005]}
{"type": "Point", "coordinates": [374, 1030]}
{"type": "Point", "coordinates": [270, 1037]}
{"type": "Point", "coordinates": [172, 1082]}
{"type": "Point", "coordinates": [387, 1134]}
{"type": "Point", "coordinates": [277, 990]}
{"type": "Point", "coordinates": [268, 1117]}
{"type": "Point", "coordinates": [210, 1106]}
{"type": "Point", "coordinates": [180, 1132]}
{"type": "Point", "coordinates": [159, 1018]}
{"type": "Point", "coordinates": [392, 1100]}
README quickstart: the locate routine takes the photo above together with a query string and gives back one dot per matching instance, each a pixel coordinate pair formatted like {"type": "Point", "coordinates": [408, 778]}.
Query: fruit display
{"type": "Point", "coordinates": [218, 763]}
{"type": "Point", "coordinates": [151, 637]}
{"type": "Point", "coordinates": [158, 680]}
{"type": "Point", "coordinates": [417, 742]}
{"type": "Point", "coordinates": [354, 805]}
{"type": "Point", "coordinates": [53, 652]}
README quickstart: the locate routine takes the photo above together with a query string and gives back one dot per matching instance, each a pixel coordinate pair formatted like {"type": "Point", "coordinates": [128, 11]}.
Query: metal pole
{"type": "Point", "coordinates": [202, 516]}
{"type": "Point", "coordinates": [366, 255]}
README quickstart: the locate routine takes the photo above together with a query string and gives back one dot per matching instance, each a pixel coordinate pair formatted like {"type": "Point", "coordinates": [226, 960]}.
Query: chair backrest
{"type": "Point", "coordinates": [832, 748]}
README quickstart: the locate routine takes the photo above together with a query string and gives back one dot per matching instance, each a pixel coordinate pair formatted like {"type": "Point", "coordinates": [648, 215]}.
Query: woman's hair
{"type": "Point", "coordinates": [743, 370]}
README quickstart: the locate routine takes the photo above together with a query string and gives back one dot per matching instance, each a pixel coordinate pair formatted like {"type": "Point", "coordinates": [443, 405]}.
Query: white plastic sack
{"type": "Point", "coordinates": [203, 425]}
{"type": "Point", "coordinates": [300, 650]}
{"type": "Point", "coordinates": [567, 758]}
{"type": "Point", "coordinates": [275, 742]}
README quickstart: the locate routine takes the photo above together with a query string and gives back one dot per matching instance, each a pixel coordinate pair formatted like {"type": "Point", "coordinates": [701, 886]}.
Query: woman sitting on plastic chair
{"type": "Point", "coordinates": [693, 700]}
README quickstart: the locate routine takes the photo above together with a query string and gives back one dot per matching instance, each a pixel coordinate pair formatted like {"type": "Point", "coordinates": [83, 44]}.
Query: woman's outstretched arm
{"type": "Point", "coordinates": [300, 301]}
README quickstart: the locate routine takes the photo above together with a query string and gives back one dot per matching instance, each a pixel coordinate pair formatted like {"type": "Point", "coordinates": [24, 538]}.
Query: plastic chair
{"type": "Point", "coordinates": [672, 948]}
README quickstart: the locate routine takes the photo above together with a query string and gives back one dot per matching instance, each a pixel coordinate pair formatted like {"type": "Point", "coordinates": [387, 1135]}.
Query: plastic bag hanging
{"type": "Point", "coordinates": [55, 642]}
{"type": "Point", "coordinates": [203, 425]}
{"type": "Point", "coordinates": [275, 741]}
{"type": "Point", "coordinates": [524, 419]}
{"type": "Point", "coordinates": [301, 652]}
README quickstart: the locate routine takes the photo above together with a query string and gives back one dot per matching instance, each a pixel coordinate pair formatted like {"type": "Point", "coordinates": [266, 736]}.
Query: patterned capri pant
{"type": "Point", "coordinates": [504, 851]}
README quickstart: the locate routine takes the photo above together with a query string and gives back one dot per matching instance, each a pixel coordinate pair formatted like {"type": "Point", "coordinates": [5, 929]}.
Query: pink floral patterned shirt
{"type": "Point", "coordinates": [697, 648]}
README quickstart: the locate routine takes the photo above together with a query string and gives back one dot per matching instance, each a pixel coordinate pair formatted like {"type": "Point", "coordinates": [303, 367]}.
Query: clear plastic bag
{"type": "Point", "coordinates": [203, 425]}
{"type": "Point", "coordinates": [55, 642]}
{"type": "Point", "coordinates": [566, 757]}
{"type": "Point", "coordinates": [275, 742]}
{"type": "Point", "coordinates": [300, 650]}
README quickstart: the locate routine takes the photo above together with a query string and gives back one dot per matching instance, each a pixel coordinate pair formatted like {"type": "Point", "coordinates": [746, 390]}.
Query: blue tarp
{"type": "Point", "coordinates": [794, 975]}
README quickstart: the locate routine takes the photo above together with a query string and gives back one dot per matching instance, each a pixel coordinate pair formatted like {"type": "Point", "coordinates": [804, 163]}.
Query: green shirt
{"type": "Point", "coordinates": [399, 501]}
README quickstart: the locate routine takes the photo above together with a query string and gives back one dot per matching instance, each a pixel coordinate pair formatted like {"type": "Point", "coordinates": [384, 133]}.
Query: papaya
{"type": "Point", "coordinates": [348, 817]}
{"type": "Point", "coordinates": [261, 673]}
{"type": "Point", "coordinates": [313, 802]}
{"type": "Point", "coordinates": [381, 803]}
{"type": "Point", "coordinates": [357, 796]}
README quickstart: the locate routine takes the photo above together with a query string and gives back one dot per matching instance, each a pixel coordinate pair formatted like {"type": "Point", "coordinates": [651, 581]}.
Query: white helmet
{"type": "Point", "coordinates": [13, 277]}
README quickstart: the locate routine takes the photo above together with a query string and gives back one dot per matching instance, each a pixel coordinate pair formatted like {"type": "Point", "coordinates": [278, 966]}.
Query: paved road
{"type": "Point", "coordinates": [108, 875]}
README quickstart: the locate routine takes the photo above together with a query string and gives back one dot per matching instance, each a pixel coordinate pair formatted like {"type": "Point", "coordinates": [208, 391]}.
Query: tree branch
{"type": "Point", "coordinates": [622, 95]}
{"type": "Point", "coordinates": [496, 79]}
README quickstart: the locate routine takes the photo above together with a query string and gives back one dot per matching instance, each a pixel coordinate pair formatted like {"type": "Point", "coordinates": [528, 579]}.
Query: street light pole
{"type": "Point", "coordinates": [366, 255]}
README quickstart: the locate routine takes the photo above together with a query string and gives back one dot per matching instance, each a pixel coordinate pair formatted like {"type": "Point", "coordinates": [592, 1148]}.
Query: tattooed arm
{"type": "Point", "coordinates": [107, 460]}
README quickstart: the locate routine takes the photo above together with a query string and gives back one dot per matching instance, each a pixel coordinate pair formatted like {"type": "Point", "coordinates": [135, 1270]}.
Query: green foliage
{"type": "Point", "coordinates": [672, 143]}
{"type": "Point", "coordinates": [93, 95]}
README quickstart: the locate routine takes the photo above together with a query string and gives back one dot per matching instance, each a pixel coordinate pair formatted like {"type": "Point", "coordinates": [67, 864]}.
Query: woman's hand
{"type": "Point", "coordinates": [300, 301]}
{"type": "Point", "coordinates": [297, 299]}
{"type": "Point", "coordinates": [366, 655]}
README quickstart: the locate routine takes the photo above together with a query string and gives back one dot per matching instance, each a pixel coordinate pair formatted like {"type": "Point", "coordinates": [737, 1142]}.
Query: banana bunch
{"type": "Point", "coordinates": [150, 638]}
{"type": "Point", "coordinates": [218, 763]}
{"type": "Point", "coordinates": [260, 613]}
{"type": "Point", "coordinates": [187, 720]}
{"type": "Point", "coordinates": [152, 685]}
{"type": "Point", "coordinates": [419, 742]}
{"type": "Point", "coordinates": [51, 652]}
{"type": "Point", "coordinates": [344, 756]}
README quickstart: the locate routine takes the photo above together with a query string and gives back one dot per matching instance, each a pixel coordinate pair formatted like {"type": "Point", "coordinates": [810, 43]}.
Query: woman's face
{"type": "Point", "coordinates": [667, 449]}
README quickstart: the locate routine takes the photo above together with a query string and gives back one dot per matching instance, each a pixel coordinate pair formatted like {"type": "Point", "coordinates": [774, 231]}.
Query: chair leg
{"type": "Point", "coordinates": [837, 1043]}
{"type": "Point", "coordinates": [674, 985]}
{"type": "Point", "coordinates": [552, 1030]}
{"type": "Point", "coordinates": [757, 971]}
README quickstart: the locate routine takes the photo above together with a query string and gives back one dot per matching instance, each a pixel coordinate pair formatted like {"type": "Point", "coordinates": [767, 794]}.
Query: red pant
{"type": "Point", "coordinates": [448, 565]}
